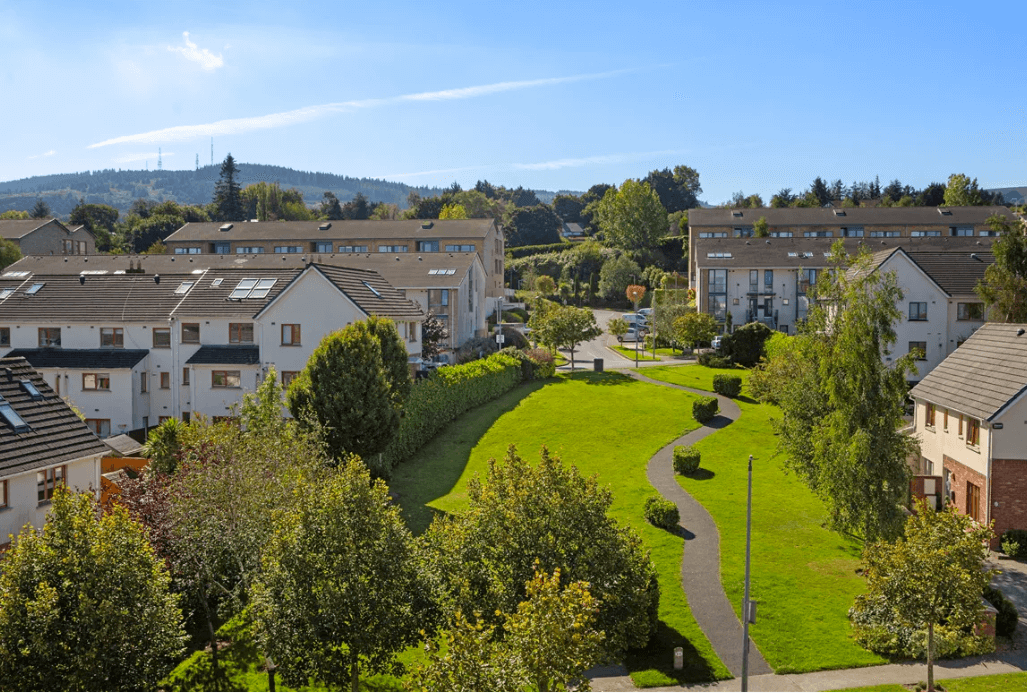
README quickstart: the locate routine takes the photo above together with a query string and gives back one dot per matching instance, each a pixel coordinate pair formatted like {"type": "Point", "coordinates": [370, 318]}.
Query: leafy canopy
{"type": "Point", "coordinates": [1004, 287]}
{"type": "Point", "coordinates": [632, 217]}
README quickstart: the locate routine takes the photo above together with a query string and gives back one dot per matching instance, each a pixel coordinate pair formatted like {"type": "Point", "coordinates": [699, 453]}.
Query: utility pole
{"type": "Point", "coordinates": [745, 602]}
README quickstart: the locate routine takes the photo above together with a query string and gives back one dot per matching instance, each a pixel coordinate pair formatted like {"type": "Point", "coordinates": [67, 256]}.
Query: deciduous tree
{"type": "Point", "coordinates": [632, 217]}
{"type": "Point", "coordinates": [615, 276]}
{"type": "Point", "coordinates": [434, 334]}
{"type": "Point", "coordinates": [9, 252]}
{"type": "Point", "coordinates": [564, 327]}
{"type": "Point", "coordinates": [962, 192]}
{"type": "Point", "coordinates": [635, 293]}
{"type": "Point", "coordinates": [85, 604]}
{"type": "Point", "coordinates": [693, 329]}
{"type": "Point", "coordinates": [341, 590]}
{"type": "Point", "coordinates": [1004, 287]}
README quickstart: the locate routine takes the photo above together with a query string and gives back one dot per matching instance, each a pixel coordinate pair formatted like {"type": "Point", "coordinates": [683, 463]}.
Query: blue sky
{"type": "Point", "coordinates": [756, 97]}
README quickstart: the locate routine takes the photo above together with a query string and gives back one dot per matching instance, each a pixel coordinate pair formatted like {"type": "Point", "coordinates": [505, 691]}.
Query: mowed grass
{"type": "Point", "coordinates": [630, 354]}
{"type": "Point", "coordinates": [603, 423]}
{"type": "Point", "coordinates": [803, 575]}
{"type": "Point", "coordinates": [992, 682]}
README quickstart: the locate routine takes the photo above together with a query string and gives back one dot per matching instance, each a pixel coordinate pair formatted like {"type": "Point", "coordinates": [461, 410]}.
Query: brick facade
{"type": "Point", "coordinates": [1009, 492]}
{"type": "Point", "coordinates": [959, 475]}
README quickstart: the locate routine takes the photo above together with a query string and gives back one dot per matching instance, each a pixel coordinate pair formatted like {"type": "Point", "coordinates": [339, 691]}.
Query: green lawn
{"type": "Point", "coordinates": [630, 354]}
{"type": "Point", "coordinates": [991, 682]}
{"type": "Point", "coordinates": [594, 421]}
{"type": "Point", "coordinates": [803, 575]}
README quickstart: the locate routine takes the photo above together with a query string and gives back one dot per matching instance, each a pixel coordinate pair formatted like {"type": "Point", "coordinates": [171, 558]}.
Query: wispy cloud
{"type": "Point", "coordinates": [49, 153]}
{"type": "Point", "coordinates": [593, 160]}
{"type": "Point", "coordinates": [207, 60]}
{"type": "Point", "coordinates": [236, 126]}
{"type": "Point", "coordinates": [141, 156]}
{"type": "Point", "coordinates": [434, 172]}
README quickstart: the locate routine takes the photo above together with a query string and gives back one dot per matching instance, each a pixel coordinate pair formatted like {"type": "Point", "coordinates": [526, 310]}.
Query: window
{"type": "Point", "coordinates": [412, 332]}
{"type": "Point", "coordinates": [183, 288]}
{"type": "Point", "coordinates": [392, 248]}
{"type": "Point", "coordinates": [240, 333]}
{"type": "Point", "coordinates": [352, 248]}
{"type": "Point", "coordinates": [187, 251]}
{"type": "Point", "coordinates": [987, 232]}
{"type": "Point", "coordinates": [960, 425]}
{"type": "Point", "coordinates": [919, 349]}
{"type": "Point", "coordinates": [165, 380]}
{"type": "Point", "coordinates": [885, 234]}
{"type": "Point", "coordinates": [162, 338]}
{"type": "Point", "coordinates": [101, 427]}
{"type": "Point", "coordinates": [186, 417]}
{"type": "Point", "coordinates": [57, 385]}
{"type": "Point", "coordinates": [917, 310]}
{"type": "Point", "coordinates": [768, 280]}
{"type": "Point", "coordinates": [851, 232]}
{"type": "Point", "coordinates": [818, 234]}
{"type": "Point", "coordinates": [780, 234]}
{"type": "Point", "coordinates": [252, 288]}
{"type": "Point", "coordinates": [945, 420]}
{"type": "Point", "coordinates": [288, 249]}
{"type": "Point", "coordinates": [112, 337]}
{"type": "Point", "coordinates": [34, 289]}
{"type": "Point", "coordinates": [323, 247]}
{"type": "Point", "coordinates": [49, 336]}
{"type": "Point", "coordinates": [745, 232]}
{"type": "Point", "coordinates": [427, 246]}
{"type": "Point", "coordinates": [48, 480]}
{"type": "Point", "coordinates": [460, 249]}
{"type": "Point", "coordinates": [290, 335]}
{"type": "Point", "coordinates": [5, 336]}
{"type": "Point", "coordinates": [718, 293]}
{"type": "Point", "coordinates": [190, 333]}
{"type": "Point", "coordinates": [185, 376]}
{"type": "Point", "coordinates": [162, 419]}
{"type": "Point", "coordinates": [96, 381]}
{"type": "Point", "coordinates": [248, 250]}
{"type": "Point", "coordinates": [807, 279]}
{"type": "Point", "coordinates": [961, 230]}
{"type": "Point", "coordinates": [924, 234]}
{"type": "Point", "coordinates": [754, 281]}
{"type": "Point", "coordinates": [713, 234]}
{"type": "Point", "coordinates": [144, 382]}
{"type": "Point", "coordinates": [222, 248]}
{"type": "Point", "coordinates": [929, 416]}
{"type": "Point", "coordinates": [973, 431]}
{"type": "Point", "coordinates": [969, 311]}
{"type": "Point", "coordinates": [13, 418]}
{"type": "Point", "coordinates": [225, 379]}
{"type": "Point", "coordinates": [288, 377]}
{"type": "Point", "coordinates": [973, 501]}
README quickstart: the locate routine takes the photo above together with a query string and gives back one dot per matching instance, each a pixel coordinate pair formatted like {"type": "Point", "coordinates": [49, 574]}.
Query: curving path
{"type": "Point", "coordinates": [700, 567]}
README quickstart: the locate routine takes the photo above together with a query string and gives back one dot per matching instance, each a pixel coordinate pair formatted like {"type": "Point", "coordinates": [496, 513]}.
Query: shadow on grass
{"type": "Point", "coordinates": [653, 665]}
{"type": "Point", "coordinates": [435, 469]}
{"type": "Point", "coordinates": [719, 421]}
{"type": "Point", "coordinates": [605, 378]}
{"type": "Point", "coordinates": [746, 399]}
{"type": "Point", "coordinates": [701, 474]}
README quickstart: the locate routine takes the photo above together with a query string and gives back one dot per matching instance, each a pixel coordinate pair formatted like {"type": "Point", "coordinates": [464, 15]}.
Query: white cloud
{"type": "Point", "coordinates": [236, 126]}
{"type": "Point", "coordinates": [593, 160]}
{"type": "Point", "coordinates": [49, 153]}
{"type": "Point", "coordinates": [416, 174]}
{"type": "Point", "coordinates": [207, 60]}
{"type": "Point", "coordinates": [141, 156]}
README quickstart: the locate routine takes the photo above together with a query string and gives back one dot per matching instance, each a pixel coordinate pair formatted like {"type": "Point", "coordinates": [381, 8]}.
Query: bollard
{"type": "Point", "coordinates": [679, 658]}
{"type": "Point", "coordinates": [597, 365]}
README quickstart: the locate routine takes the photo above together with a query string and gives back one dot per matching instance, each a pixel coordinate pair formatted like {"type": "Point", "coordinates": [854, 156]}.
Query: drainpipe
{"type": "Point", "coordinates": [991, 440]}
{"type": "Point", "coordinates": [175, 371]}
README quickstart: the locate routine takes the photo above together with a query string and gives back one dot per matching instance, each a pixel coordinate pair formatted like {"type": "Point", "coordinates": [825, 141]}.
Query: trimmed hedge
{"type": "Point", "coordinates": [661, 512]}
{"type": "Point", "coordinates": [526, 250]}
{"type": "Point", "coordinates": [1005, 622]}
{"type": "Point", "coordinates": [686, 459]}
{"type": "Point", "coordinates": [711, 360]}
{"type": "Point", "coordinates": [704, 409]}
{"type": "Point", "coordinates": [1014, 543]}
{"type": "Point", "coordinates": [727, 385]}
{"type": "Point", "coordinates": [448, 393]}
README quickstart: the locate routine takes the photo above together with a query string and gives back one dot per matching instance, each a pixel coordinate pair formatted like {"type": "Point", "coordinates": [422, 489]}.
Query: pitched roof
{"type": "Point", "coordinates": [124, 445]}
{"type": "Point", "coordinates": [108, 359]}
{"type": "Point", "coordinates": [986, 372]}
{"type": "Point", "coordinates": [371, 293]}
{"type": "Point", "coordinates": [813, 252]}
{"type": "Point", "coordinates": [55, 432]}
{"type": "Point", "coordinates": [19, 228]}
{"type": "Point", "coordinates": [956, 271]}
{"type": "Point", "coordinates": [214, 355]}
{"type": "Point", "coordinates": [210, 232]}
{"type": "Point", "coordinates": [411, 270]}
{"type": "Point", "coordinates": [846, 216]}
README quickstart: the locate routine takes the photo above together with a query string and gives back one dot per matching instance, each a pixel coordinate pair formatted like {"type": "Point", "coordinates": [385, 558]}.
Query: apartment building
{"type": "Point", "coordinates": [132, 341]}
{"type": "Point", "coordinates": [49, 237]}
{"type": "Point", "coordinates": [481, 236]}
{"type": "Point", "coordinates": [43, 444]}
{"type": "Point", "coordinates": [971, 419]}
{"type": "Point", "coordinates": [840, 222]}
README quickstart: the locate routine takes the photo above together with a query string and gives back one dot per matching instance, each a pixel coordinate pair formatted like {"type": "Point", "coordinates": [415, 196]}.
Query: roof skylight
{"type": "Point", "coordinates": [5, 293]}
{"type": "Point", "coordinates": [16, 274]}
{"type": "Point", "coordinates": [30, 387]}
{"type": "Point", "coordinates": [373, 290]}
{"type": "Point", "coordinates": [85, 272]}
{"type": "Point", "coordinates": [34, 289]}
{"type": "Point", "coordinates": [243, 289]}
{"type": "Point", "coordinates": [217, 282]}
{"type": "Point", "coordinates": [184, 288]}
{"type": "Point", "coordinates": [263, 288]}
{"type": "Point", "coordinates": [12, 417]}
{"type": "Point", "coordinates": [793, 255]}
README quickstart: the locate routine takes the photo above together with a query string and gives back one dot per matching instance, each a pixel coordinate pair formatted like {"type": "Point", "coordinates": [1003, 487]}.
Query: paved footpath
{"type": "Point", "coordinates": [700, 578]}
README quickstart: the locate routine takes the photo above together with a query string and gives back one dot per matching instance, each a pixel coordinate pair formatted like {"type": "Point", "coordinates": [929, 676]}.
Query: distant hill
{"type": "Point", "coordinates": [1012, 196]}
{"type": "Point", "coordinates": [120, 188]}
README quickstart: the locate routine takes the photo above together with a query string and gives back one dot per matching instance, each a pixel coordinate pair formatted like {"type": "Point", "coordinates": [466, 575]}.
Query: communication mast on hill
{"type": "Point", "coordinates": [160, 160]}
{"type": "Point", "coordinates": [211, 151]}
{"type": "Point", "coordinates": [197, 161]}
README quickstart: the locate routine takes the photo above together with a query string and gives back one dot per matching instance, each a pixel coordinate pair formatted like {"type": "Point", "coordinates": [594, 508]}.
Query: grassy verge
{"type": "Point", "coordinates": [992, 682]}
{"type": "Point", "coordinates": [593, 421]}
{"type": "Point", "coordinates": [803, 575]}
{"type": "Point", "coordinates": [630, 354]}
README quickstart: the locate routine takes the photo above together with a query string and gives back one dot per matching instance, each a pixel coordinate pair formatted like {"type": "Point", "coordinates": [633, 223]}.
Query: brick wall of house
{"type": "Point", "coordinates": [1009, 491]}
{"type": "Point", "coordinates": [959, 475]}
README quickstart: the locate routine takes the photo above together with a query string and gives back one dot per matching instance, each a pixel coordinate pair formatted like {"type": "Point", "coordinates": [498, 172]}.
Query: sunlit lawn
{"type": "Point", "coordinates": [992, 682]}
{"type": "Point", "coordinates": [605, 424]}
{"type": "Point", "coordinates": [803, 575]}
{"type": "Point", "coordinates": [630, 354]}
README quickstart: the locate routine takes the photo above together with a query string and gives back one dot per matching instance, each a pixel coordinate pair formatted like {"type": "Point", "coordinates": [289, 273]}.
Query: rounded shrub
{"type": "Point", "coordinates": [704, 409]}
{"type": "Point", "coordinates": [1005, 622]}
{"type": "Point", "coordinates": [686, 459]}
{"type": "Point", "coordinates": [1014, 543]}
{"type": "Point", "coordinates": [661, 512]}
{"type": "Point", "coordinates": [727, 385]}
{"type": "Point", "coordinates": [711, 360]}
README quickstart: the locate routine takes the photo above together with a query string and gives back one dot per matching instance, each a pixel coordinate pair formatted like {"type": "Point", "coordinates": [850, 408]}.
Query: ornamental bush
{"type": "Point", "coordinates": [711, 360]}
{"type": "Point", "coordinates": [543, 362]}
{"type": "Point", "coordinates": [1014, 543]}
{"type": "Point", "coordinates": [437, 400]}
{"type": "Point", "coordinates": [661, 512]}
{"type": "Point", "coordinates": [1005, 622]}
{"type": "Point", "coordinates": [704, 409]}
{"type": "Point", "coordinates": [686, 459]}
{"type": "Point", "coordinates": [746, 345]}
{"type": "Point", "coordinates": [727, 385]}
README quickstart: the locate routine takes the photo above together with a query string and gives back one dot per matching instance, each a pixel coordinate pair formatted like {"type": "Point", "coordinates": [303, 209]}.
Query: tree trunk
{"type": "Point", "coordinates": [930, 658]}
{"type": "Point", "coordinates": [354, 676]}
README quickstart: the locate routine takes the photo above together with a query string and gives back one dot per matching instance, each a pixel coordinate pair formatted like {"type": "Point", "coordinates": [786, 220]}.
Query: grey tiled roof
{"type": "Point", "coordinates": [209, 232]}
{"type": "Point", "coordinates": [858, 216]}
{"type": "Point", "coordinates": [18, 228]}
{"type": "Point", "coordinates": [56, 432]}
{"type": "Point", "coordinates": [81, 358]}
{"type": "Point", "coordinates": [371, 293]}
{"type": "Point", "coordinates": [956, 271]}
{"type": "Point", "coordinates": [984, 374]}
{"type": "Point", "coordinates": [213, 355]}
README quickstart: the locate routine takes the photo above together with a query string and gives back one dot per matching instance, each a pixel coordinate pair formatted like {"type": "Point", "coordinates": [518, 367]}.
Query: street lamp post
{"type": "Point", "coordinates": [746, 617]}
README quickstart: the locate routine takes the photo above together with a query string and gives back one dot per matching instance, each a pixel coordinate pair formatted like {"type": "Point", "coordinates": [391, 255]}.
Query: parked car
{"type": "Point", "coordinates": [716, 342]}
{"type": "Point", "coordinates": [632, 335]}
{"type": "Point", "coordinates": [635, 319]}
{"type": "Point", "coordinates": [647, 312]}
